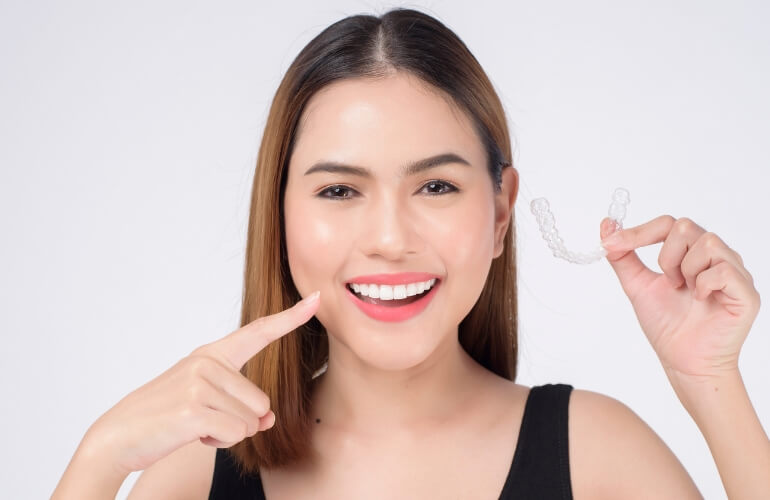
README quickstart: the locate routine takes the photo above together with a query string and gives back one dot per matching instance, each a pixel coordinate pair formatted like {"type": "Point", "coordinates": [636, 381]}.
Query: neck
{"type": "Point", "coordinates": [356, 397]}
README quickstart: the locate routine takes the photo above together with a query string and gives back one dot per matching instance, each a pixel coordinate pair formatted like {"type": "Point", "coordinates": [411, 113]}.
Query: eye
{"type": "Point", "coordinates": [337, 191]}
{"type": "Point", "coordinates": [432, 184]}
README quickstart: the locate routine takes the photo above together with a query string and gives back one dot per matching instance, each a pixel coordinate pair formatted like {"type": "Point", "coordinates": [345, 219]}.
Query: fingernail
{"type": "Point", "coordinates": [611, 240]}
{"type": "Point", "coordinates": [312, 297]}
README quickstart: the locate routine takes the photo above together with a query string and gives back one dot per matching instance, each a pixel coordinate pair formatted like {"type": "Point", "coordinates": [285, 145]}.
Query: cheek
{"type": "Point", "coordinates": [464, 239]}
{"type": "Point", "coordinates": [462, 235]}
{"type": "Point", "coordinates": [310, 246]}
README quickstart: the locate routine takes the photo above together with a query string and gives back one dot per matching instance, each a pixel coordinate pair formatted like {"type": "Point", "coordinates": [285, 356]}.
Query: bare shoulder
{"type": "Point", "coordinates": [184, 474]}
{"type": "Point", "coordinates": [615, 454]}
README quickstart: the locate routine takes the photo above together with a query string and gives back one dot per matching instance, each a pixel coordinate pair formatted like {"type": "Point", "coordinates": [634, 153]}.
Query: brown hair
{"type": "Point", "coordinates": [360, 46]}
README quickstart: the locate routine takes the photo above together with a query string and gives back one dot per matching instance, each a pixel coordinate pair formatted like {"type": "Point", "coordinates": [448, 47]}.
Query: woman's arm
{"type": "Point", "coordinates": [725, 416]}
{"type": "Point", "coordinates": [89, 475]}
{"type": "Point", "coordinates": [696, 315]}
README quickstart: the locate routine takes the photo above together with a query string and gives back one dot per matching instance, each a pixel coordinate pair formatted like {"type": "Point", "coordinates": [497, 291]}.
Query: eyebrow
{"type": "Point", "coordinates": [407, 170]}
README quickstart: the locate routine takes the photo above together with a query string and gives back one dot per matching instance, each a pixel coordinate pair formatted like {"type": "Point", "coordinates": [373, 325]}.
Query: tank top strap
{"type": "Point", "coordinates": [229, 483]}
{"type": "Point", "coordinates": [540, 467]}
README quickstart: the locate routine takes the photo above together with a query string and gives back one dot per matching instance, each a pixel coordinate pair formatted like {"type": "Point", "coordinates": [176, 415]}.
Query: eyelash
{"type": "Point", "coordinates": [452, 187]}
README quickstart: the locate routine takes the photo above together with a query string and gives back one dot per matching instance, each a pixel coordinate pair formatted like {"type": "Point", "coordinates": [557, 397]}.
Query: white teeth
{"type": "Point", "coordinates": [389, 292]}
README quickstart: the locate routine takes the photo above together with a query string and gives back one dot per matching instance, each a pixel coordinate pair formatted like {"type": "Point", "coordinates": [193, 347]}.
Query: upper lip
{"type": "Point", "coordinates": [393, 279]}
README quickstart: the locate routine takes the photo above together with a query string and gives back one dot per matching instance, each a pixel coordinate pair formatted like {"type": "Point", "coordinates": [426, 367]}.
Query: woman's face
{"type": "Point", "coordinates": [445, 221]}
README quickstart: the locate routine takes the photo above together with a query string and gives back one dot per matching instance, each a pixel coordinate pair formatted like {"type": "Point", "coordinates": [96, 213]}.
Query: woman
{"type": "Point", "coordinates": [384, 182]}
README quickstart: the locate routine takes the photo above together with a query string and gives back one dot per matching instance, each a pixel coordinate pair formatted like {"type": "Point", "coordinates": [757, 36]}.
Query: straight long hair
{"type": "Point", "coordinates": [402, 40]}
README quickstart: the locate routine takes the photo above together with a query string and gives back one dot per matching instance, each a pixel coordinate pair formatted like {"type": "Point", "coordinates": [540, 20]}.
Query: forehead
{"type": "Point", "coordinates": [396, 119]}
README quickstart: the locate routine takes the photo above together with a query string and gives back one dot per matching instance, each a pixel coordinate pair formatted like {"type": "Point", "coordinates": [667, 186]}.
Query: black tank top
{"type": "Point", "coordinates": [540, 466]}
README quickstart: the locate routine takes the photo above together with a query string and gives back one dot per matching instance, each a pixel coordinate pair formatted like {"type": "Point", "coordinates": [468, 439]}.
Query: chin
{"type": "Point", "coordinates": [388, 352]}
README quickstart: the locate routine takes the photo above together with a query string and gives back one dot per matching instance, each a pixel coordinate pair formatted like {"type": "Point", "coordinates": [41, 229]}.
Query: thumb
{"type": "Point", "coordinates": [622, 257]}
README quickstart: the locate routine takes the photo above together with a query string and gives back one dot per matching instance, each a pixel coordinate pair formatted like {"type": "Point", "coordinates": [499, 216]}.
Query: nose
{"type": "Point", "coordinates": [389, 230]}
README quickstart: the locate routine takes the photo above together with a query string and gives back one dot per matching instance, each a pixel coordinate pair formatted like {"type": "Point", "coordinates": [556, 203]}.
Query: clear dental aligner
{"type": "Point", "coordinates": [542, 211]}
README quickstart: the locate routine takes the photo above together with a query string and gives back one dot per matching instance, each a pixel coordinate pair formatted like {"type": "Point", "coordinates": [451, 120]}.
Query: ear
{"type": "Point", "coordinates": [504, 200]}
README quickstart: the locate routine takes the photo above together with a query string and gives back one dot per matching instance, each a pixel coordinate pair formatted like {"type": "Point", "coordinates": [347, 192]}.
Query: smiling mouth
{"type": "Point", "coordinates": [391, 302]}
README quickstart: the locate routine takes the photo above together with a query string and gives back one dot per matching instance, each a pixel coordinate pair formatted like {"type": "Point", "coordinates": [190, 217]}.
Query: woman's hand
{"type": "Point", "coordinates": [696, 314]}
{"type": "Point", "coordinates": [203, 396]}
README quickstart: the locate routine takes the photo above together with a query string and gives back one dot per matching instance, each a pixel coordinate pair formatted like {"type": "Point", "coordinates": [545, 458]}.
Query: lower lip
{"type": "Point", "coordinates": [390, 313]}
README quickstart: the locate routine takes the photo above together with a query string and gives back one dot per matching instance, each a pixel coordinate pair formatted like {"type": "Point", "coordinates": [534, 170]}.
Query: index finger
{"type": "Point", "coordinates": [241, 345]}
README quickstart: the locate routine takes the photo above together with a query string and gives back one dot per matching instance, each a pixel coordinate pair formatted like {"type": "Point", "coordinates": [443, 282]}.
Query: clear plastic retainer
{"type": "Point", "coordinates": [547, 223]}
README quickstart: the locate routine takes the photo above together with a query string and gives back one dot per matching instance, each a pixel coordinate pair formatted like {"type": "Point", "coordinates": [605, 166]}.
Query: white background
{"type": "Point", "coordinates": [128, 136]}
